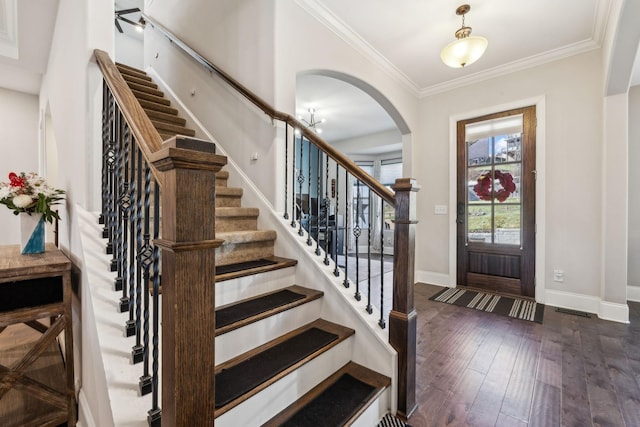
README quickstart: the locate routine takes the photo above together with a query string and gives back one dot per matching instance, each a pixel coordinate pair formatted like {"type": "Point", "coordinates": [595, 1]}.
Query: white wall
{"type": "Point", "coordinates": [572, 167]}
{"type": "Point", "coordinates": [634, 194]}
{"type": "Point", "coordinates": [71, 92]}
{"type": "Point", "coordinates": [19, 146]}
{"type": "Point", "coordinates": [129, 50]}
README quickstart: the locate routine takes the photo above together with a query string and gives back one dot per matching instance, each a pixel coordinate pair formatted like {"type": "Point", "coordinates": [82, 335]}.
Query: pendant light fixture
{"type": "Point", "coordinates": [467, 49]}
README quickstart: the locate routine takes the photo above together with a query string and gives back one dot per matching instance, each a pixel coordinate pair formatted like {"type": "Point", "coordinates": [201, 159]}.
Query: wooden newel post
{"type": "Point", "coordinates": [402, 319]}
{"type": "Point", "coordinates": [188, 279]}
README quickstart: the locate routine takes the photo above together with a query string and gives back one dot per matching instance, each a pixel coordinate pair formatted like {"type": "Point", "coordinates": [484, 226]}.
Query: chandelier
{"type": "Point", "coordinates": [313, 122]}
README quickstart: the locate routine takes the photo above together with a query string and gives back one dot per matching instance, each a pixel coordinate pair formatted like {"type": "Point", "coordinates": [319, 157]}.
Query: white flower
{"type": "Point", "coordinates": [4, 192]}
{"type": "Point", "coordinates": [22, 201]}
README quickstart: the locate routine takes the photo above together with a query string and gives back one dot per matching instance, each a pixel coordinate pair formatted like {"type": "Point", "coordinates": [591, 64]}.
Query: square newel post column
{"type": "Point", "coordinates": [188, 246]}
{"type": "Point", "coordinates": [402, 319]}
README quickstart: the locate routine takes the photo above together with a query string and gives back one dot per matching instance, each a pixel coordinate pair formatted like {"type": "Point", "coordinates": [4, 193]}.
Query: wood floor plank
{"type": "Point", "coordinates": [545, 410]}
{"type": "Point", "coordinates": [455, 409]}
{"type": "Point", "coordinates": [507, 421]}
{"type": "Point", "coordinates": [516, 402]}
{"type": "Point", "coordinates": [575, 397]}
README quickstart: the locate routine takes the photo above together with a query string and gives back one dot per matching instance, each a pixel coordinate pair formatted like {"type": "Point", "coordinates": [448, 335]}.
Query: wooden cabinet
{"type": "Point", "coordinates": [36, 290]}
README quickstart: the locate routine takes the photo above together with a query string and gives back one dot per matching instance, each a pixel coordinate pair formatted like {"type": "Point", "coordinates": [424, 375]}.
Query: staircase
{"type": "Point", "coordinates": [278, 362]}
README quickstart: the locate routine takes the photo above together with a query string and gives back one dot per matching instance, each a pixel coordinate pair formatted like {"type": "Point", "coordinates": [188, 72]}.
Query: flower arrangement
{"type": "Point", "coordinates": [29, 193]}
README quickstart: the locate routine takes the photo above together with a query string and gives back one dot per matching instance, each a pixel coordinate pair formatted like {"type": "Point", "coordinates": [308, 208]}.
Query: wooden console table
{"type": "Point", "coordinates": [34, 287]}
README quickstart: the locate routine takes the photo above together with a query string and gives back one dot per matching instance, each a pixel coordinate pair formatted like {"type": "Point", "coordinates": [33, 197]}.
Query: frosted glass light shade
{"type": "Point", "coordinates": [464, 51]}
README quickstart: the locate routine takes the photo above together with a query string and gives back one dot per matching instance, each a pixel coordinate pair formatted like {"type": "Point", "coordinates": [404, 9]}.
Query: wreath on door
{"type": "Point", "coordinates": [483, 187]}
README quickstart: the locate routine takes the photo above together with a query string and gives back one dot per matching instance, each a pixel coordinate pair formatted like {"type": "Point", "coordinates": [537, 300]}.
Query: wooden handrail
{"type": "Point", "coordinates": [146, 135]}
{"type": "Point", "coordinates": [382, 191]}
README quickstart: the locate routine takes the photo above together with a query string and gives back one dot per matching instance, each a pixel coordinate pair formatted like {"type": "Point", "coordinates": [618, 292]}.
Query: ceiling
{"type": "Point", "coordinates": [26, 29]}
{"type": "Point", "coordinates": [404, 37]}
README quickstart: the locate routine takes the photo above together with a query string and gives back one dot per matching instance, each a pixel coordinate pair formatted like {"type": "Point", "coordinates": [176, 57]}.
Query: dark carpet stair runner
{"type": "Point", "coordinates": [337, 401]}
{"type": "Point", "coordinates": [244, 312]}
{"type": "Point", "coordinates": [247, 374]}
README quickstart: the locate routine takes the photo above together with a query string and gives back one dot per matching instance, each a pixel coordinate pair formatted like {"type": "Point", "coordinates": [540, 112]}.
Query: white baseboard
{"type": "Point", "coordinates": [614, 312]}
{"type": "Point", "coordinates": [433, 278]}
{"type": "Point", "coordinates": [590, 304]}
{"type": "Point", "coordinates": [85, 417]}
{"type": "Point", "coordinates": [633, 293]}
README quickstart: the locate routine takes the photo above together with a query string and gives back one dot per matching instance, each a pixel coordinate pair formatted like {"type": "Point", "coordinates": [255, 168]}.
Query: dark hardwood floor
{"type": "Point", "coordinates": [483, 369]}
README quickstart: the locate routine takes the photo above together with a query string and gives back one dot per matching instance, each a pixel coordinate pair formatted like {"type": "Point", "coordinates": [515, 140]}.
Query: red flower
{"type": "Point", "coordinates": [15, 180]}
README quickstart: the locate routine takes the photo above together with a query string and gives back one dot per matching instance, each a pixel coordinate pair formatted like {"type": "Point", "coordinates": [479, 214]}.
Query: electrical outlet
{"type": "Point", "coordinates": [558, 275]}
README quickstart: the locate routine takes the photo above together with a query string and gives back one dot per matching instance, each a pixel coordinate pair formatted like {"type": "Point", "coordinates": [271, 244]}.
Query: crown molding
{"type": "Point", "coordinates": [511, 67]}
{"type": "Point", "coordinates": [9, 29]}
{"type": "Point", "coordinates": [326, 17]}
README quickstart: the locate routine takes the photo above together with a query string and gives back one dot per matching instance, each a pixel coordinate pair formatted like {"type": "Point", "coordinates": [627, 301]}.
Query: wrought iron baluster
{"type": "Point", "coordinates": [117, 247]}
{"type": "Point", "coordinates": [125, 205]}
{"type": "Point", "coordinates": [381, 322]}
{"type": "Point", "coordinates": [146, 381]}
{"type": "Point", "coordinates": [136, 196]}
{"type": "Point", "coordinates": [155, 413]}
{"type": "Point", "coordinates": [105, 147]}
{"type": "Point", "coordinates": [146, 384]}
{"type": "Point", "coordinates": [345, 283]}
{"type": "Point", "coordinates": [300, 181]}
{"type": "Point", "coordinates": [309, 240]}
{"type": "Point", "coordinates": [319, 214]}
{"type": "Point", "coordinates": [357, 231]}
{"type": "Point", "coordinates": [293, 182]}
{"type": "Point", "coordinates": [286, 169]}
{"type": "Point", "coordinates": [369, 307]}
{"type": "Point", "coordinates": [336, 270]}
{"type": "Point", "coordinates": [110, 158]}
{"type": "Point", "coordinates": [145, 259]}
{"type": "Point", "coordinates": [326, 205]}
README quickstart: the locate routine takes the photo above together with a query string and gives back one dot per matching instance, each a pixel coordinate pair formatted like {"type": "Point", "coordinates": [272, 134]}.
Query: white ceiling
{"type": "Point", "coordinates": [26, 29]}
{"type": "Point", "coordinates": [402, 36]}
{"type": "Point", "coordinates": [405, 37]}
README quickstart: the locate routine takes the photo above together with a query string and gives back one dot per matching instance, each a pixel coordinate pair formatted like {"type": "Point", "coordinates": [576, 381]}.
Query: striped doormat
{"type": "Point", "coordinates": [507, 306]}
{"type": "Point", "coordinates": [391, 421]}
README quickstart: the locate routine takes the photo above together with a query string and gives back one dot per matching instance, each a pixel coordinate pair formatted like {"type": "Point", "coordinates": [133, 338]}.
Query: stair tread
{"type": "Point", "coordinates": [144, 88]}
{"type": "Point", "coordinates": [151, 98]}
{"type": "Point", "coordinates": [159, 115]}
{"type": "Point", "coordinates": [279, 263]}
{"type": "Point", "coordinates": [337, 401]}
{"type": "Point", "coordinates": [247, 374]}
{"type": "Point", "coordinates": [250, 310]}
{"type": "Point", "coordinates": [150, 105]}
{"type": "Point", "coordinates": [172, 127]}
{"type": "Point", "coordinates": [130, 68]}
{"type": "Point", "coordinates": [129, 78]}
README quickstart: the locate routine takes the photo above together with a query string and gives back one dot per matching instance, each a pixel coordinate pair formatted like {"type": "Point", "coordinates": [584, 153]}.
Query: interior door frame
{"type": "Point", "coordinates": [450, 280]}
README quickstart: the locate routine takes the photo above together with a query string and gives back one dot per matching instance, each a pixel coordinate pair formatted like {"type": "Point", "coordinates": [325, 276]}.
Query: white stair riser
{"type": "Point", "coordinates": [244, 339]}
{"type": "Point", "coordinates": [230, 291]}
{"type": "Point", "coordinates": [263, 406]}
